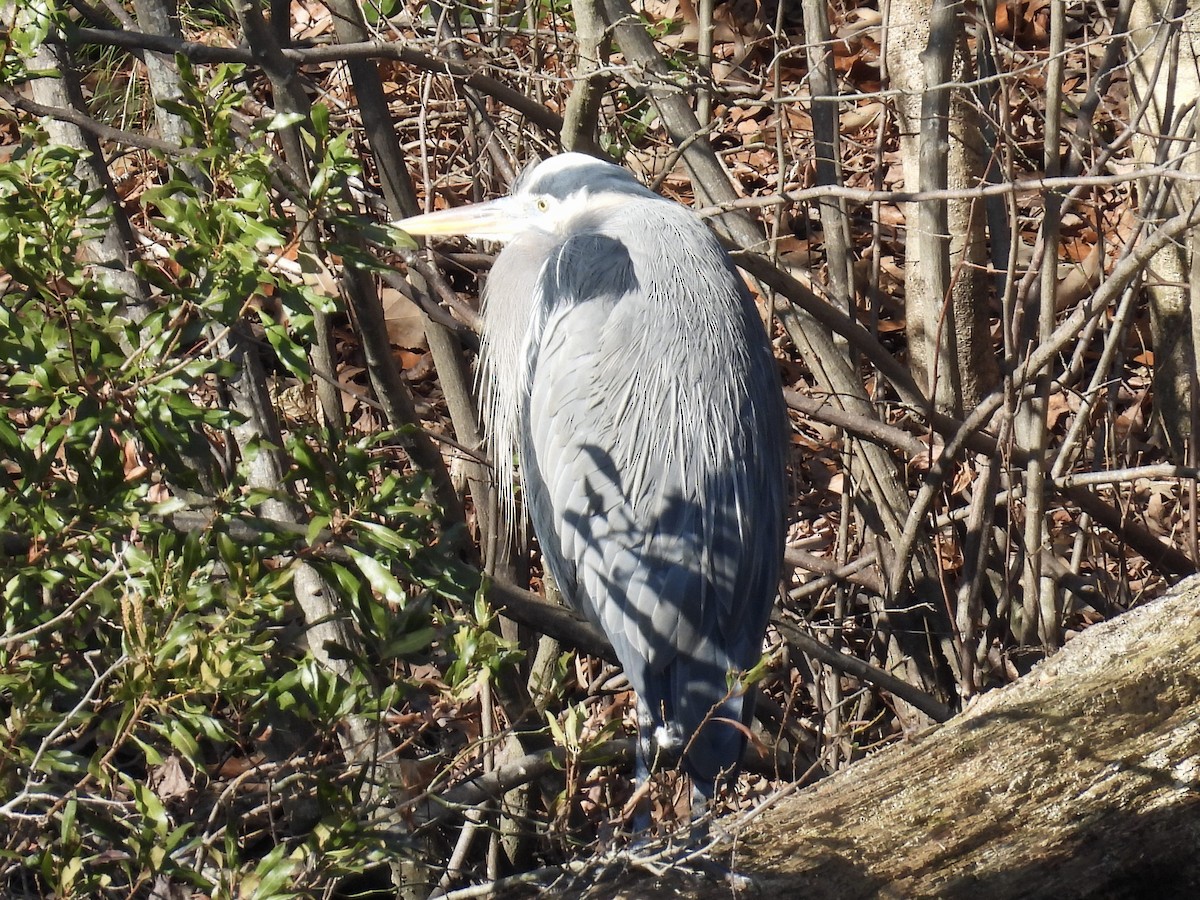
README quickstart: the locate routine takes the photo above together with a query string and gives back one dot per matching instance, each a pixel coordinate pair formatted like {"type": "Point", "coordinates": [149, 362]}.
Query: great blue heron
{"type": "Point", "coordinates": [625, 365]}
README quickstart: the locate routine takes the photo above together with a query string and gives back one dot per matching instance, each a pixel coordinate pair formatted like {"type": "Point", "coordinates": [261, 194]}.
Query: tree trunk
{"type": "Point", "coordinates": [949, 343]}
{"type": "Point", "coordinates": [112, 247]}
{"type": "Point", "coordinates": [1163, 75]}
{"type": "Point", "coordinates": [1080, 780]}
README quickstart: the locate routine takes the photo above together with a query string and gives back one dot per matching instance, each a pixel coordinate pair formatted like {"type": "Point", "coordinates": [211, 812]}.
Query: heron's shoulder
{"type": "Point", "coordinates": [644, 209]}
{"type": "Point", "coordinates": [647, 225]}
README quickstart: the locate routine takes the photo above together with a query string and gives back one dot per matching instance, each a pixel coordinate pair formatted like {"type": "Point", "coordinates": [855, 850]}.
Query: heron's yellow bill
{"type": "Point", "coordinates": [496, 220]}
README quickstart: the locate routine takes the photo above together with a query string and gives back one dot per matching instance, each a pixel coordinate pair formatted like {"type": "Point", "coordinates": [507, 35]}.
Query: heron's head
{"type": "Point", "coordinates": [546, 197]}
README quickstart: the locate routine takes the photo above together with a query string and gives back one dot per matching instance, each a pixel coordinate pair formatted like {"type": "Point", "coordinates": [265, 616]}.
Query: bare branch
{"type": "Point", "coordinates": [206, 53]}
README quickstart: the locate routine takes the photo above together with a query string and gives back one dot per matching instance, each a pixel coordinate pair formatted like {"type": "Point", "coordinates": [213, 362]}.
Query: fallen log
{"type": "Point", "coordinates": [1082, 779]}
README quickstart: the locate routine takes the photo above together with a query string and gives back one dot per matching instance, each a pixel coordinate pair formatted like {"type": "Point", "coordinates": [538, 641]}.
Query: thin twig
{"type": "Point", "coordinates": [10, 640]}
{"type": "Point", "coordinates": [205, 53]}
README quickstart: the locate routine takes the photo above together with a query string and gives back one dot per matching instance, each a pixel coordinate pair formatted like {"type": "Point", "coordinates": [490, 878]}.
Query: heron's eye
{"type": "Point", "coordinates": [542, 204]}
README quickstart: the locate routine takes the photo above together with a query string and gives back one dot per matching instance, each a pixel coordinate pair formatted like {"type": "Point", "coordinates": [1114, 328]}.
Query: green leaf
{"type": "Point", "coordinates": [411, 644]}
{"type": "Point", "coordinates": [381, 580]}
{"type": "Point", "coordinates": [150, 807]}
{"type": "Point", "coordinates": [320, 120]}
{"type": "Point", "coordinates": [273, 873]}
{"type": "Point", "coordinates": [283, 121]}
{"type": "Point", "coordinates": [315, 525]}
{"type": "Point", "coordinates": [182, 741]}
{"type": "Point", "coordinates": [66, 828]}
{"type": "Point", "coordinates": [389, 538]}
{"type": "Point", "coordinates": [294, 359]}
{"type": "Point", "coordinates": [389, 235]}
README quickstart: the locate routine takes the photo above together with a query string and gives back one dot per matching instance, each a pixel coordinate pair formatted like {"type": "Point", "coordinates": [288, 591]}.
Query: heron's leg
{"type": "Point", "coordinates": [703, 790]}
{"type": "Point", "coordinates": [642, 766]}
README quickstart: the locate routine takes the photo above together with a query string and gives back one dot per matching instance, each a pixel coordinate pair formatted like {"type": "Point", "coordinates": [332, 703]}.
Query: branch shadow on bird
{"type": "Point", "coordinates": [667, 588]}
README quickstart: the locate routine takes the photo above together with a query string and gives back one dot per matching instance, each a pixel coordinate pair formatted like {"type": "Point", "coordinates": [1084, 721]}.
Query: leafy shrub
{"type": "Point", "coordinates": [161, 715]}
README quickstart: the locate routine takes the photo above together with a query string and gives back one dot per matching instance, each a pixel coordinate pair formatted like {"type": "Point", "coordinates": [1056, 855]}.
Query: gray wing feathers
{"type": "Point", "coordinates": [654, 477]}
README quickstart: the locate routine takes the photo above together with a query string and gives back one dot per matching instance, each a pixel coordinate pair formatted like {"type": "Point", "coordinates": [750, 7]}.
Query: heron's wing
{"type": "Point", "coordinates": [652, 457]}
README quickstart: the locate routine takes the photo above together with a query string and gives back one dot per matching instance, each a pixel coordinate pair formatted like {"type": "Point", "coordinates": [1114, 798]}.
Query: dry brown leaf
{"type": "Point", "coordinates": [798, 118]}
{"type": "Point", "coordinates": [234, 766]}
{"type": "Point", "coordinates": [310, 20]}
{"type": "Point", "coordinates": [866, 114]}
{"type": "Point", "coordinates": [411, 362]}
{"type": "Point", "coordinates": [131, 460]}
{"type": "Point", "coordinates": [749, 126]}
{"type": "Point", "coordinates": [168, 779]}
{"type": "Point", "coordinates": [1059, 406]}
{"type": "Point", "coordinates": [404, 320]}
{"type": "Point", "coordinates": [1078, 281]}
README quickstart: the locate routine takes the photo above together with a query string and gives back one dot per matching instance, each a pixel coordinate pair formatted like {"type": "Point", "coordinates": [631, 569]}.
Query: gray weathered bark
{"type": "Point", "coordinates": [949, 343]}
{"type": "Point", "coordinates": [579, 131]}
{"type": "Point", "coordinates": [112, 248]}
{"type": "Point", "coordinates": [1170, 85]}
